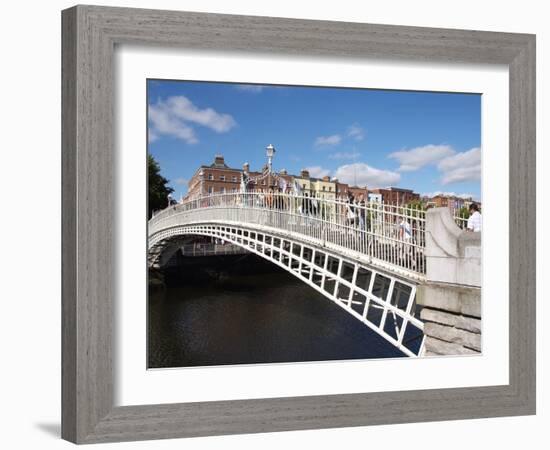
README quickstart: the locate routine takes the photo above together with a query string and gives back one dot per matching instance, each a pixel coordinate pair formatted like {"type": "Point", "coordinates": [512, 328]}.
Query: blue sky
{"type": "Point", "coordinates": [429, 142]}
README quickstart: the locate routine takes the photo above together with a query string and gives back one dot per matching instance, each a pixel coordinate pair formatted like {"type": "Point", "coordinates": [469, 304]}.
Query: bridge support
{"type": "Point", "coordinates": [451, 297]}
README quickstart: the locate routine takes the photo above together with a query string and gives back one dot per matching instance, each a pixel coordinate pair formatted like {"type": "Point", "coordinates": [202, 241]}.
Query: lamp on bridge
{"type": "Point", "coordinates": [269, 151]}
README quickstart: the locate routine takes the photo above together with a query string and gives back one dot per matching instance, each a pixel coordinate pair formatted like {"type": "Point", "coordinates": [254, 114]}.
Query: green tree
{"type": "Point", "coordinates": [417, 208]}
{"type": "Point", "coordinates": [463, 213]}
{"type": "Point", "coordinates": [158, 188]}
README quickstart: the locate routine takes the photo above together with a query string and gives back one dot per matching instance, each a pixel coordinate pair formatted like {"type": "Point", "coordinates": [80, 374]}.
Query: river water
{"type": "Point", "coordinates": [244, 310]}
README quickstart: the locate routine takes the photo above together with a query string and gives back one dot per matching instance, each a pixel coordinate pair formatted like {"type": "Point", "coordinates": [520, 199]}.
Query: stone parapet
{"type": "Point", "coordinates": [450, 300]}
{"type": "Point", "coordinates": [453, 255]}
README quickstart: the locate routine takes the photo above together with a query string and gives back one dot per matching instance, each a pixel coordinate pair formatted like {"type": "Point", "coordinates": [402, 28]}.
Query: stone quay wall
{"type": "Point", "coordinates": [450, 300]}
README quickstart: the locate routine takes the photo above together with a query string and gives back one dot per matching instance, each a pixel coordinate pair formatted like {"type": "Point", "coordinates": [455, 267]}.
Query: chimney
{"type": "Point", "coordinates": [304, 173]}
{"type": "Point", "coordinates": [246, 167]}
{"type": "Point", "coordinates": [219, 160]}
{"type": "Point", "coordinates": [326, 178]}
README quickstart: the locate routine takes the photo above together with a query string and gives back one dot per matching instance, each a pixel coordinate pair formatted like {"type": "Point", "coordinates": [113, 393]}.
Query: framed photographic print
{"type": "Point", "coordinates": [278, 224]}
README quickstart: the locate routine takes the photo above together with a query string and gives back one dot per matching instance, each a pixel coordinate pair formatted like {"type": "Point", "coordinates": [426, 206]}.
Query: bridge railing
{"type": "Point", "coordinates": [461, 222]}
{"type": "Point", "coordinates": [389, 234]}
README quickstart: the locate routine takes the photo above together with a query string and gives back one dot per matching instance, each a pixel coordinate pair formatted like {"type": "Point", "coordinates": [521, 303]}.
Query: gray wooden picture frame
{"type": "Point", "coordinates": [90, 34]}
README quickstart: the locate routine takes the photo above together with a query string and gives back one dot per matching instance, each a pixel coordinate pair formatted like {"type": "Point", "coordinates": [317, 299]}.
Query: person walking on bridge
{"type": "Point", "coordinates": [407, 256]}
{"type": "Point", "coordinates": [269, 198]}
{"type": "Point", "coordinates": [474, 221]}
{"type": "Point", "coordinates": [361, 212]}
{"type": "Point", "coordinates": [351, 210]}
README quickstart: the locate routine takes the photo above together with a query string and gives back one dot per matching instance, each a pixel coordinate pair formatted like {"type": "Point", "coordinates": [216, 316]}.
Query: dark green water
{"type": "Point", "coordinates": [243, 310]}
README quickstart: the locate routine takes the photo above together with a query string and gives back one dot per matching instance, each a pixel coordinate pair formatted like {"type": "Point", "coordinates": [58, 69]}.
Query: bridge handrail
{"type": "Point", "coordinates": [461, 222]}
{"type": "Point", "coordinates": [392, 233]}
{"type": "Point", "coordinates": [401, 210]}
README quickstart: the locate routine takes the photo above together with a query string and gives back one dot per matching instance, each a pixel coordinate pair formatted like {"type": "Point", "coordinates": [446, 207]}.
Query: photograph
{"type": "Point", "coordinates": [293, 224]}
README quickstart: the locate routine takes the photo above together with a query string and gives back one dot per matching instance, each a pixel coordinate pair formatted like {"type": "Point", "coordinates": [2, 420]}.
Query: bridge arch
{"type": "Point", "coordinates": [379, 299]}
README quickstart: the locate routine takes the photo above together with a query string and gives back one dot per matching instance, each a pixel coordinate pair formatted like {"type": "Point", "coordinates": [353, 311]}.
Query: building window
{"type": "Point", "coordinates": [263, 182]}
{"type": "Point", "coordinates": [210, 190]}
{"type": "Point", "coordinates": [234, 179]}
{"type": "Point", "coordinates": [303, 186]}
{"type": "Point", "coordinates": [324, 188]}
{"type": "Point", "coordinates": [210, 176]}
{"type": "Point", "coordinates": [222, 190]}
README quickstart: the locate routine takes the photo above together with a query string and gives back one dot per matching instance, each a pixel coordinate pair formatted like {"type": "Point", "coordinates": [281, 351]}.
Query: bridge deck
{"type": "Point", "coordinates": [390, 237]}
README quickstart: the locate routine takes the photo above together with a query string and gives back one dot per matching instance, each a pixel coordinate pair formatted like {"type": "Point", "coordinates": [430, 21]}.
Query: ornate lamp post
{"type": "Point", "coordinates": [269, 151]}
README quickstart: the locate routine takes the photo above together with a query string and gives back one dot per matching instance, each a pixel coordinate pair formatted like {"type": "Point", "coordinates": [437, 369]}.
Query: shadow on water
{"type": "Point", "coordinates": [244, 310]}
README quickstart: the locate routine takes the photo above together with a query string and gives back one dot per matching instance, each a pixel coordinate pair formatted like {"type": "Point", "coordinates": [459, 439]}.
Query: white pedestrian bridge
{"type": "Point", "coordinates": [367, 258]}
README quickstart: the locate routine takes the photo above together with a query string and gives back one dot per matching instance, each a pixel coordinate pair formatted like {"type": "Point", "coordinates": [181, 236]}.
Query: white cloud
{"type": "Point", "coordinates": [181, 181]}
{"type": "Point", "coordinates": [317, 171]}
{"type": "Point", "coordinates": [465, 166]}
{"type": "Point", "coordinates": [454, 167]}
{"type": "Point", "coordinates": [356, 132]}
{"type": "Point", "coordinates": [252, 88]}
{"type": "Point", "coordinates": [448, 194]}
{"type": "Point", "coordinates": [465, 159]}
{"type": "Point", "coordinates": [344, 155]}
{"type": "Point", "coordinates": [418, 157]}
{"type": "Point", "coordinates": [162, 122]}
{"type": "Point", "coordinates": [334, 139]}
{"type": "Point", "coordinates": [364, 174]}
{"type": "Point", "coordinates": [183, 108]}
{"type": "Point", "coordinates": [462, 174]}
{"type": "Point", "coordinates": [173, 116]}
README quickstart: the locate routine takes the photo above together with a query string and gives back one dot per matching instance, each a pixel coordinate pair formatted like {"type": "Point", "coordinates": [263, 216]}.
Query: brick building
{"type": "Point", "coordinates": [358, 191]}
{"type": "Point", "coordinates": [218, 177]}
{"type": "Point", "coordinates": [439, 201]}
{"type": "Point", "coordinates": [396, 196]}
{"type": "Point", "coordinates": [449, 201]}
{"type": "Point", "coordinates": [341, 189]}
